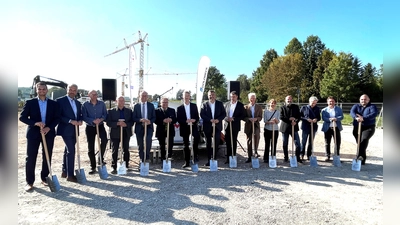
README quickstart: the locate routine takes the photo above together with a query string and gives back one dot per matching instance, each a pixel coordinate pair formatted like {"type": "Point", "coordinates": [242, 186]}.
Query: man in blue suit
{"type": "Point", "coordinates": [188, 113]}
{"type": "Point", "coordinates": [70, 116]}
{"type": "Point", "coordinates": [144, 114]}
{"type": "Point", "coordinates": [42, 116]}
{"type": "Point", "coordinates": [212, 112]}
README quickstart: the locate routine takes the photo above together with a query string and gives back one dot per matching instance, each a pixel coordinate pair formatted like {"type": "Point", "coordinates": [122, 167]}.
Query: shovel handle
{"type": "Point", "coordinates": [98, 143]}
{"type": "Point", "coordinates": [230, 130]}
{"type": "Point", "coordinates": [78, 154]}
{"type": "Point", "coordinates": [273, 139]}
{"type": "Point", "coordinates": [253, 145]}
{"type": "Point", "coordinates": [312, 138]}
{"type": "Point", "coordinates": [46, 152]}
{"type": "Point", "coordinates": [334, 136]}
{"type": "Point", "coordinates": [292, 139]}
{"type": "Point", "coordinates": [358, 139]}
{"type": "Point", "coordinates": [167, 141]}
{"type": "Point", "coordinates": [213, 141]}
{"type": "Point", "coordinates": [191, 141]}
{"type": "Point", "coordinates": [144, 143]}
{"type": "Point", "coordinates": [121, 135]}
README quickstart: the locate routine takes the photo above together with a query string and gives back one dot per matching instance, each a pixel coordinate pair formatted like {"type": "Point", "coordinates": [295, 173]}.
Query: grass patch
{"type": "Point", "coordinates": [348, 120]}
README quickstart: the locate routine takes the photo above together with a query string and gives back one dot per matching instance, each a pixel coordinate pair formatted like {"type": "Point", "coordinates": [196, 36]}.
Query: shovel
{"type": "Point", "coordinates": [272, 157]}
{"type": "Point", "coordinates": [336, 157]}
{"type": "Point", "coordinates": [195, 166]}
{"type": "Point", "coordinates": [52, 181]}
{"type": "Point", "coordinates": [101, 168]}
{"type": "Point", "coordinates": [232, 158]}
{"type": "Point", "coordinates": [293, 159]}
{"type": "Point", "coordinates": [313, 158]}
{"type": "Point", "coordinates": [144, 166]}
{"type": "Point", "coordinates": [80, 172]}
{"type": "Point", "coordinates": [213, 162]}
{"type": "Point", "coordinates": [255, 163]}
{"type": "Point", "coordinates": [167, 163]}
{"type": "Point", "coordinates": [356, 164]}
{"type": "Point", "coordinates": [121, 166]}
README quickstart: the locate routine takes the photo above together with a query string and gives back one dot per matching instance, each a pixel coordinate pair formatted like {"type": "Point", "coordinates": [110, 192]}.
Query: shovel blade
{"type": "Point", "coordinates": [233, 161]}
{"type": "Point", "coordinates": [166, 166]}
{"type": "Point", "coordinates": [80, 176]}
{"type": "Point", "coordinates": [213, 165]}
{"type": "Point", "coordinates": [121, 168]}
{"type": "Point", "coordinates": [336, 161]}
{"type": "Point", "coordinates": [255, 163]}
{"type": "Point", "coordinates": [272, 162]}
{"type": "Point", "coordinates": [53, 183]}
{"type": "Point", "coordinates": [293, 161]}
{"type": "Point", "coordinates": [102, 172]}
{"type": "Point", "coordinates": [313, 161]}
{"type": "Point", "coordinates": [356, 165]}
{"type": "Point", "coordinates": [144, 169]}
{"type": "Point", "coordinates": [195, 167]}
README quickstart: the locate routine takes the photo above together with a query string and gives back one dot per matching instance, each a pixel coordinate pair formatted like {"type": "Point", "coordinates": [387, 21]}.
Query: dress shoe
{"type": "Point", "coordinates": [266, 161]}
{"type": "Point", "coordinates": [44, 182]}
{"type": "Point", "coordinates": [286, 159]}
{"type": "Point", "coordinates": [248, 160]}
{"type": "Point", "coordinates": [28, 187]}
{"type": "Point", "coordinates": [227, 161]}
{"type": "Point", "coordinates": [299, 160]}
{"type": "Point", "coordinates": [64, 175]}
{"type": "Point", "coordinates": [207, 164]}
{"type": "Point", "coordinates": [72, 179]}
{"type": "Point", "coordinates": [185, 165]}
{"type": "Point", "coordinates": [92, 171]}
{"type": "Point", "coordinates": [196, 159]}
{"type": "Point", "coordinates": [328, 159]}
{"type": "Point", "coordinates": [114, 171]}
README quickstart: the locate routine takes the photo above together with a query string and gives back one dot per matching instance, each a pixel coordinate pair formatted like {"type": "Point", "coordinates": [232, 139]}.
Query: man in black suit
{"type": "Point", "coordinates": [290, 116]}
{"type": "Point", "coordinates": [118, 117]}
{"type": "Point", "coordinates": [165, 115]}
{"type": "Point", "coordinates": [187, 113]}
{"type": "Point", "coordinates": [42, 116]}
{"type": "Point", "coordinates": [234, 114]}
{"type": "Point", "coordinates": [70, 116]}
{"type": "Point", "coordinates": [212, 112]}
{"type": "Point", "coordinates": [144, 115]}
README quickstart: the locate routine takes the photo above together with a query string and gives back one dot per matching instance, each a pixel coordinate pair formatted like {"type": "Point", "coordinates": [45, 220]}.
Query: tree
{"type": "Point", "coordinates": [339, 80]}
{"type": "Point", "coordinates": [244, 87]}
{"type": "Point", "coordinates": [322, 64]}
{"type": "Point", "coordinates": [179, 94]}
{"type": "Point", "coordinates": [313, 48]}
{"type": "Point", "coordinates": [258, 74]}
{"type": "Point", "coordinates": [217, 82]}
{"type": "Point", "coordinates": [283, 76]}
{"type": "Point", "coordinates": [19, 93]}
{"type": "Point", "coordinates": [294, 46]}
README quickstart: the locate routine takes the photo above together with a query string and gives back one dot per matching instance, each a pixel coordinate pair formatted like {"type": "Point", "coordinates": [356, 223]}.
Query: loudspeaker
{"type": "Point", "coordinates": [109, 87]}
{"type": "Point", "coordinates": [234, 86]}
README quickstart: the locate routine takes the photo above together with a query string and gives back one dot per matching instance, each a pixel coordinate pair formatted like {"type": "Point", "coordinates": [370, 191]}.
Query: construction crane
{"type": "Point", "coordinates": [123, 82]}
{"type": "Point", "coordinates": [131, 52]}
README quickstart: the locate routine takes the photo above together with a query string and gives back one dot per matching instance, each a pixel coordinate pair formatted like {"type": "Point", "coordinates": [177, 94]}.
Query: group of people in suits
{"type": "Point", "coordinates": [46, 118]}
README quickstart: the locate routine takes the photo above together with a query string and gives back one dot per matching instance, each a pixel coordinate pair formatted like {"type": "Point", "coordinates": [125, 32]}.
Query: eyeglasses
{"type": "Point", "coordinates": [42, 89]}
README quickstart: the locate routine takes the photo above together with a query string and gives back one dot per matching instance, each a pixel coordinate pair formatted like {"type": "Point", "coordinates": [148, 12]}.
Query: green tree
{"type": "Point", "coordinates": [283, 76]}
{"type": "Point", "coordinates": [179, 94]}
{"type": "Point", "coordinates": [322, 64]}
{"type": "Point", "coordinates": [216, 81]}
{"type": "Point", "coordinates": [19, 93]}
{"type": "Point", "coordinates": [258, 74]}
{"type": "Point", "coordinates": [313, 48]}
{"type": "Point", "coordinates": [294, 46]}
{"type": "Point", "coordinates": [339, 80]}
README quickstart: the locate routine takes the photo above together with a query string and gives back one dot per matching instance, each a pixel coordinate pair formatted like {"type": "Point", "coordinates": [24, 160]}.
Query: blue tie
{"type": "Point", "coordinates": [73, 107]}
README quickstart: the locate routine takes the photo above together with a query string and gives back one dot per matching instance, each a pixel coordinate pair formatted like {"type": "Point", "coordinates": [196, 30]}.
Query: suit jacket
{"type": "Point", "coordinates": [306, 112]}
{"type": "Point", "coordinates": [30, 114]}
{"type": "Point", "coordinates": [325, 117]}
{"type": "Point", "coordinates": [137, 115]}
{"type": "Point", "coordinates": [206, 115]}
{"type": "Point", "coordinates": [161, 126]}
{"type": "Point", "coordinates": [184, 128]}
{"type": "Point", "coordinates": [258, 113]}
{"type": "Point", "coordinates": [113, 115]}
{"type": "Point", "coordinates": [238, 115]}
{"type": "Point", "coordinates": [287, 112]}
{"type": "Point", "coordinates": [66, 114]}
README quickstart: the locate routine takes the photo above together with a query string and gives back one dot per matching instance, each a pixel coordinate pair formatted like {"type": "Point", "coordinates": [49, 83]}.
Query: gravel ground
{"type": "Point", "coordinates": [242, 195]}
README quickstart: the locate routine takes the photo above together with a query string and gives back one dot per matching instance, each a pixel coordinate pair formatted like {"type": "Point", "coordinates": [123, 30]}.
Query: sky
{"type": "Point", "coordinates": [68, 40]}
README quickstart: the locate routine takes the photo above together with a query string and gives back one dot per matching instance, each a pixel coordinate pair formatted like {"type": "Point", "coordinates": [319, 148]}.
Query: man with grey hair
{"type": "Point", "coordinates": [253, 114]}
{"type": "Point", "coordinates": [310, 115]}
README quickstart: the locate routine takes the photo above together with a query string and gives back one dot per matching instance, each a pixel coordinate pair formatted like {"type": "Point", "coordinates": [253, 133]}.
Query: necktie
{"type": "Point", "coordinates": [143, 112]}
{"type": "Point", "coordinates": [73, 106]}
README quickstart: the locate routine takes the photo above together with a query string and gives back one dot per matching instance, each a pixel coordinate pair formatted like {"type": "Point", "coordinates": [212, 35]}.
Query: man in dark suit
{"type": "Point", "coordinates": [290, 116]}
{"type": "Point", "coordinates": [118, 117]}
{"type": "Point", "coordinates": [165, 115]}
{"type": "Point", "coordinates": [42, 116]}
{"type": "Point", "coordinates": [70, 116]}
{"type": "Point", "coordinates": [234, 114]}
{"type": "Point", "coordinates": [144, 115]}
{"type": "Point", "coordinates": [187, 113]}
{"type": "Point", "coordinates": [310, 115]}
{"type": "Point", "coordinates": [212, 112]}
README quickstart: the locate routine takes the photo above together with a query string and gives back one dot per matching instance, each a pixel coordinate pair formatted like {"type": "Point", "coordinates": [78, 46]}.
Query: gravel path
{"type": "Point", "coordinates": [242, 195]}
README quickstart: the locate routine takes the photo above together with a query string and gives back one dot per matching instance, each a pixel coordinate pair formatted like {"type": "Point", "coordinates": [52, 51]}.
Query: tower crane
{"type": "Point", "coordinates": [123, 82]}
{"type": "Point", "coordinates": [131, 52]}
